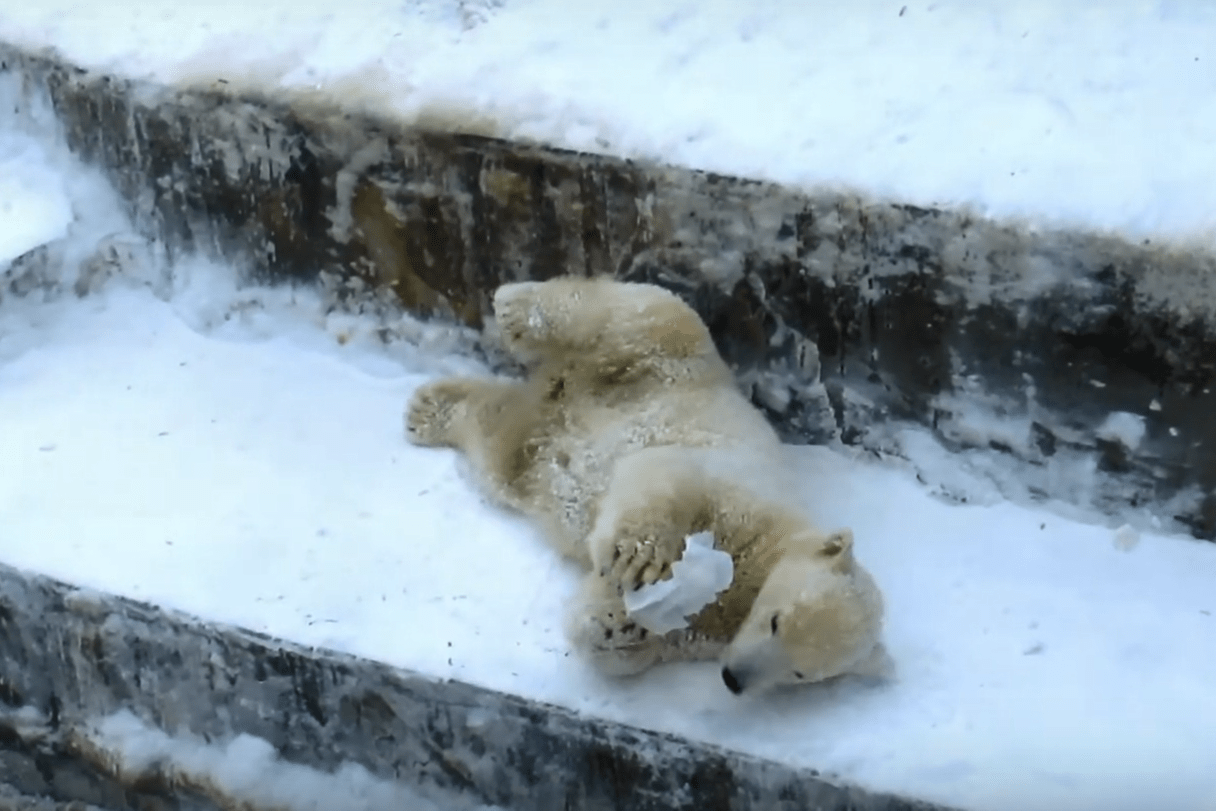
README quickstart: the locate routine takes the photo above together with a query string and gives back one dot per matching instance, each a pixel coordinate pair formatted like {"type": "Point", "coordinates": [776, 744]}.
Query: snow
{"type": "Point", "coordinates": [247, 772]}
{"type": "Point", "coordinates": [1090, 113]}
{"type": "Point", "coordinates": [235, 452]}
{"type": "Point", "coordinates": [33, 204]}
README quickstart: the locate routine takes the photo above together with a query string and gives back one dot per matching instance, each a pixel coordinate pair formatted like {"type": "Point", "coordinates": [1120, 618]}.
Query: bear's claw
{"type": "Point", "coordinates": [640, 562]}
{"type": "Point", "coordinates": [617, 636]}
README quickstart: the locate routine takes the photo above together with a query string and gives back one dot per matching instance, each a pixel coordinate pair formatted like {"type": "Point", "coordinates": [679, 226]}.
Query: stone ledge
{"type": "Point", "coordinates": [77, 656]}
{"type": "Point", "coordinates": [13, 800]}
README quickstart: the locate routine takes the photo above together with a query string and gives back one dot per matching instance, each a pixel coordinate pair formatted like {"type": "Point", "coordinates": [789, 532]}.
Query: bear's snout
{"type": "Point", "coordinates": [732, 683]}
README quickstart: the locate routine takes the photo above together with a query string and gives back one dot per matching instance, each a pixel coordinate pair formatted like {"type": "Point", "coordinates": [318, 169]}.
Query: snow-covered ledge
{"type": "Point", "coordinates": [113, 702]}
{"type": "Point", "coordinates": [1080, 365]}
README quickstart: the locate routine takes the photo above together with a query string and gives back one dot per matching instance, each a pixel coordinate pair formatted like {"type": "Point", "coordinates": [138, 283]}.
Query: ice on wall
{"type": "Point", "coordinates": [1125, 428]}
{"type": "Point", "coordinates": [247, 772]}
{"type": "Point", "coordinates": [64, 232]}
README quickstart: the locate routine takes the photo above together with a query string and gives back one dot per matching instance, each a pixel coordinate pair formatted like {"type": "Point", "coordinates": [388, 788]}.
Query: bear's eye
{"type": "Point", "coordinates": [774, 624]}
{"type": "Point", "coordinates": [798, 675]}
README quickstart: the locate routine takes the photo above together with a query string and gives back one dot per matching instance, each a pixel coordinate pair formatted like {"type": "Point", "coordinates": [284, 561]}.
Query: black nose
{"type": "Point", "coordinates": [732, 683]}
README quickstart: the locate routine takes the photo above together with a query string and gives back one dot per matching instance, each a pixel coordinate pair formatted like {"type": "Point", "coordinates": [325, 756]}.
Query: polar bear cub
{"type": "Point", "coordinates": [627, 436]}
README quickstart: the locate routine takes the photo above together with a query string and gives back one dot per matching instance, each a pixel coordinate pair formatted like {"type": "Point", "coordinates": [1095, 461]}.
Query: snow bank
{"type": "Point", "coordinates": [246, 772]}
{"type": "Point", "coordinates": [33, 205]}
{"type": "Point", "coordinates": [1087, 113]}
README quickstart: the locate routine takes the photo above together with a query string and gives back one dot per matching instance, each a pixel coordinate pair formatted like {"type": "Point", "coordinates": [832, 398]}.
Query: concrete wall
{"type": "Point", "coordinates": [840, 313]}
{"type": "Point", "coordinates": [75, 656]}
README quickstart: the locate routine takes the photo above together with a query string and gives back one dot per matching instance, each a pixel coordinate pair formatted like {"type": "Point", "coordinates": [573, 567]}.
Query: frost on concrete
{"type": "Point", "coordinates": [12, 800]}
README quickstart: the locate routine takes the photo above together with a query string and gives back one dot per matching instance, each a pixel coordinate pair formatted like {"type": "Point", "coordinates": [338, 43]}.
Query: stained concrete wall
{"type": "Point", "coordinates": [840, 313]}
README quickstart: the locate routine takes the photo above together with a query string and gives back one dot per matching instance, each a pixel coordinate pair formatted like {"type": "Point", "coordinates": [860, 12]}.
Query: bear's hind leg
{"type": "Point", "coordinates": [604, 318]}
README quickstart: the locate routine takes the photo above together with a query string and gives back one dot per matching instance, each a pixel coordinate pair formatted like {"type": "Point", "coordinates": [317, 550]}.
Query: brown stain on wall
{"type": "Point", "coordinates": [414, 249]}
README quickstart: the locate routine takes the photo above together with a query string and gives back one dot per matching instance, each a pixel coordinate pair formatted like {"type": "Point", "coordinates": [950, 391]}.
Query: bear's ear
{"type": "Point", "coordinates": [839, 547]}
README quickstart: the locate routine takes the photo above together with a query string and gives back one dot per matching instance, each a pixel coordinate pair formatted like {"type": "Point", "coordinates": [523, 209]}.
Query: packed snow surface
{"type": "Point", "coordinates": [1086, 112]}
{"type": "Point", "coordinates": [238, 454]}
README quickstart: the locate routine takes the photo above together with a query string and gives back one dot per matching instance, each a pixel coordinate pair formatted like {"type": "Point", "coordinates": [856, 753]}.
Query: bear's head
{"type": "Point", "coordinates": [818, 615]}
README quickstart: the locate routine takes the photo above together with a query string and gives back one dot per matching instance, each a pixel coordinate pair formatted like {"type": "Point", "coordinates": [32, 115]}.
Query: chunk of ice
{"type": "Point", "coordinates": [1124, 428]}
{"type": "Point", "coordinates": [696, 580]}
{"type": "Point", "coordinates": [1126, 538]}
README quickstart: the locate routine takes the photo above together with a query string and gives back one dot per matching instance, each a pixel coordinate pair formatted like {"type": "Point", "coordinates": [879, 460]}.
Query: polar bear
{"type": "Point", "coordinates": [627, 436]}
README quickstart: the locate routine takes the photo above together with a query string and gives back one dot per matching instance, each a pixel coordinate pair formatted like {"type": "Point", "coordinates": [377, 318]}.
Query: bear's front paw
{"type": "Point", "coordinates": [640, 561]}
{"type": "Point", "coordinates": [428, 420]}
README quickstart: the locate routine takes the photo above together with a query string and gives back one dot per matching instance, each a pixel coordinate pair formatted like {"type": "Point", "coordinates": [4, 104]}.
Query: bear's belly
{"type": "Point", "coordinates": [573, 464]}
